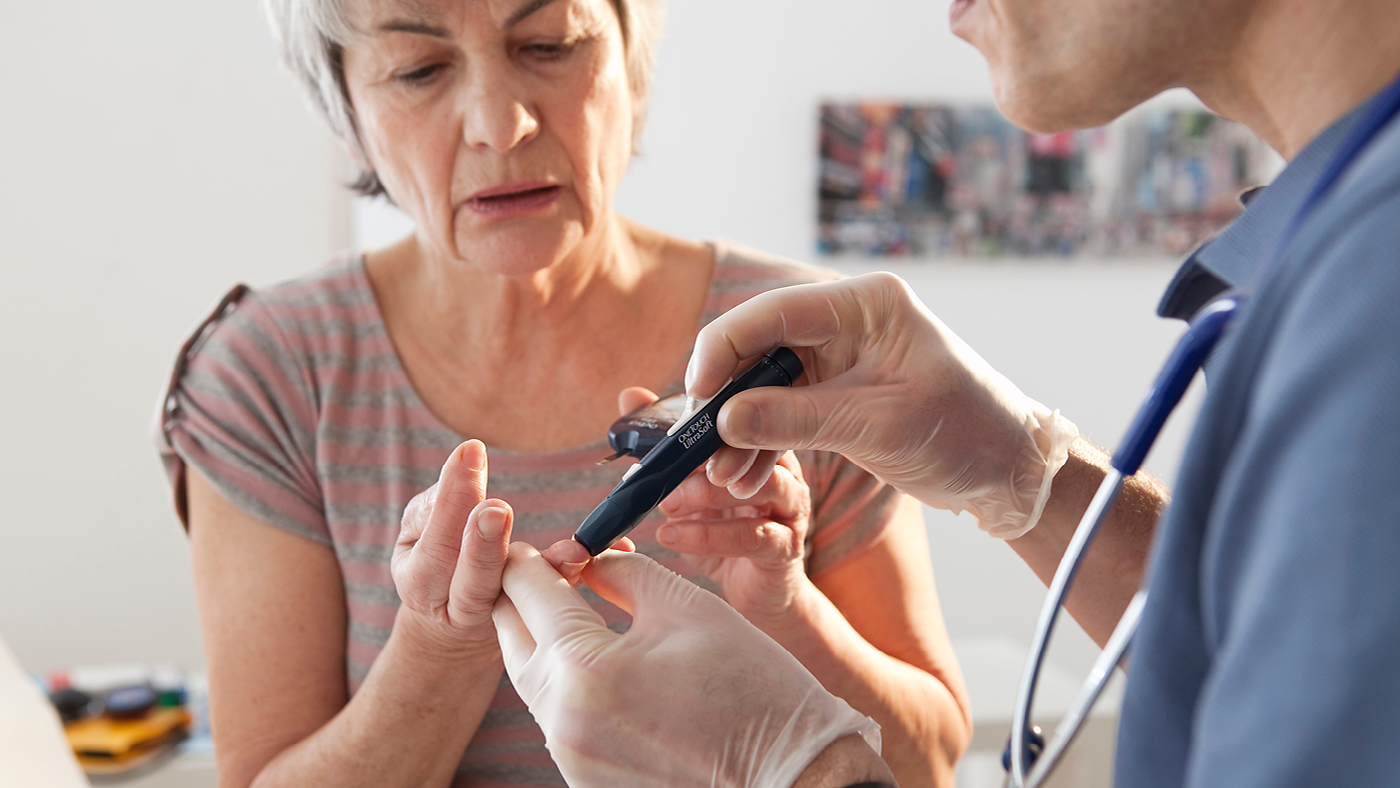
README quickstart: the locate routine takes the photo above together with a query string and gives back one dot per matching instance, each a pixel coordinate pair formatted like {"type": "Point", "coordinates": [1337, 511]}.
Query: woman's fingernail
{"type": "Point", "coordinates": [574, 567]}
{"type": "Point", "coordinates": [491, 523]}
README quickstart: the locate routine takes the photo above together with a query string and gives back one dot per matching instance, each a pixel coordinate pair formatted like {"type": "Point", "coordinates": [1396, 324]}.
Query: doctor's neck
{"type": "Point", "coordinates": [1297, 66]}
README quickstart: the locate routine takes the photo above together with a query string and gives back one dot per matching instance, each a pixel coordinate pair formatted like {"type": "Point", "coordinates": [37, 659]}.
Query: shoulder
{"type": "Point", "coordinates": [293, 317]}
{"type": "Point", "coordinates": [336, 293]}
{"type": "Point", "coordinates": [741, 273]}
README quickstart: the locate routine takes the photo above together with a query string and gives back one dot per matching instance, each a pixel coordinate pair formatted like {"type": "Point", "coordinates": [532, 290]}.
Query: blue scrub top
{"type": "Point", "coordinates": [1269, 654]}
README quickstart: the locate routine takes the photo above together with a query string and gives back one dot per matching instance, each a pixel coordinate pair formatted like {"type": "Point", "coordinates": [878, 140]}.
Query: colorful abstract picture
{"type": "Point", "coordinates": [950, 181]}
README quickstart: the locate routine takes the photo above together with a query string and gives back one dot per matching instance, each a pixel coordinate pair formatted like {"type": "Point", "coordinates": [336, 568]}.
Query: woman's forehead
{"type": "Point", "coordinates": [371, 15]}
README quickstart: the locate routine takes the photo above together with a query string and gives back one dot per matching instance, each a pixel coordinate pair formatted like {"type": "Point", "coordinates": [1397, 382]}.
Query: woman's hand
{"type": "Point", "coordinates": [450, 553]}
{"type": "Point", "coordinates": [751, 546]}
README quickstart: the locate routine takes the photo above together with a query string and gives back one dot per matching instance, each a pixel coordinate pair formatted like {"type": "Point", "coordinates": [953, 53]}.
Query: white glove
{"type": "Point", "coordinates": [891, 388]}
{"type": "Point", "coordinates": [691, 695]}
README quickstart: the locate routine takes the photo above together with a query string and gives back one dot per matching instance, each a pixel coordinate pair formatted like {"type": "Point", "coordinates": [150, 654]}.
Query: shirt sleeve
{"type": "Point", "coordinates": [240, 409]}
{"type": "Point", "coordinates": [851, 509]}
{"type": "Point", "coordinates": [1300, 592]}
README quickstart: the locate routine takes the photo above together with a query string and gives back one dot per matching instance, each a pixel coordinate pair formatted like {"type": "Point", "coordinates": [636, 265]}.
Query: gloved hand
{"type": "Point", "coordinates": [891, 388]}
{"type": "Point", "coordinates": [754, 547]}
{"type": "Point", "coordinates": [691, 695]}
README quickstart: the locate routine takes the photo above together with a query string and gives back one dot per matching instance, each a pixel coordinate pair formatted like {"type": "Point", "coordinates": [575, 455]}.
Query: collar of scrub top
{"type": "Point", "coordinates": [1238, 257]}
{"type": "Point", "coordinates": [1029, 759]}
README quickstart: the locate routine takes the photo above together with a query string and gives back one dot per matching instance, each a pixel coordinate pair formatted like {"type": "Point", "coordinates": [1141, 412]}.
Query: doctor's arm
{"type": "Point", "coordinates": [893, 389]}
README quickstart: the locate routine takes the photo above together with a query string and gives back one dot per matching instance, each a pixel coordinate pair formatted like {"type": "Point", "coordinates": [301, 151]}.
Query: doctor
{"type": "Point", "coordinates": [1267, 652]}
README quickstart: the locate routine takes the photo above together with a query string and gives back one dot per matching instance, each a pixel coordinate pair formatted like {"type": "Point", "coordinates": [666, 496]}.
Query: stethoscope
{"type": "Point", "coordinates": [1028, 759]}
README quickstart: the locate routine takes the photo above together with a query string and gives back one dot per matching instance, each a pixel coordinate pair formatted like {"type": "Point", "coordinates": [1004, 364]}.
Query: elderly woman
{"type": "Point", "coordinates": [346, 610]}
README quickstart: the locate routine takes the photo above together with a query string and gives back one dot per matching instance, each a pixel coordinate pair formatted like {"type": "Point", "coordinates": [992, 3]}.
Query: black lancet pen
{"type": "Point", "coordinates": [687, 447]}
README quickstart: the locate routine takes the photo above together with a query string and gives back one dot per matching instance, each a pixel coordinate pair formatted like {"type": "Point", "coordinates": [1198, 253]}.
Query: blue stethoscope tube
{"type": "Point", "coordinates": [1029, 763]}
{"type": "Point", "coordinates": [1186, 359]}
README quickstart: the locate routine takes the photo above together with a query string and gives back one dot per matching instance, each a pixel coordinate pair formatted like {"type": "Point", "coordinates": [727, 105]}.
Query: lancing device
{"type": "Point", "coordinates": [687, 447]}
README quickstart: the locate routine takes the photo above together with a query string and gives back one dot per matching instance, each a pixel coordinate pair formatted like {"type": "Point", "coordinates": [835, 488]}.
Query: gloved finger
{"type": "Point", "coordinates": [632, 581]}
{"type": "Point", "coordinates": [550, 608]}
{"type": "Point", "coordinates": [729, 537]}
{"type": "Point", "coordinates": [801, 316]}
{"type": "Point", "coordinates": [823, 416]}
{"type": "Point", "coordinates": [476, 583]}
{"type": "Point", "coordinates": [461, 486]}
{"type": "Point", "coordinates": [517, 644]}
{"type": "Point", "coordinates": [634, 397]}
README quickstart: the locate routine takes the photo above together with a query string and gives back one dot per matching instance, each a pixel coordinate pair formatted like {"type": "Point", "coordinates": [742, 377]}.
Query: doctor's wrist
{"type": "Point", "coordinates": [848, 762]}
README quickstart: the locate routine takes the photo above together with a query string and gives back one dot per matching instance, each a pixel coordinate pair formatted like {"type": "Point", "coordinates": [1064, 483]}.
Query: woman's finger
{"type": "Point", "coordinates": [783, 494]}
{"type": "Point", "coordinates": [634, 397]}
{"type": "Point", "coordinates": [727, 467]}
{"type": "Point", "coordinates": [745, 537]}
{"type": "Point", "coordinates": [476, 583]}
{"type": "Point", "coordinates": [461, 486]}
{"type": "Point", "coordinates": [757, 478]}
{"type": "Point", "coordinates": [416, 515]}
{"type": "Point", "coordinates": [568, 559]}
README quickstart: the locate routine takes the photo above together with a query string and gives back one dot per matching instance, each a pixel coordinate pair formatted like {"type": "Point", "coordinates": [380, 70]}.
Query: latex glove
{"type": "Point", "coordinates": [691, 695]}
{"type": "Point", "coordinates": [891, 388]}
{"type": "Point", "coordinates": [451, 550]}
{"type": "Point", "coordinates": [753, 547]}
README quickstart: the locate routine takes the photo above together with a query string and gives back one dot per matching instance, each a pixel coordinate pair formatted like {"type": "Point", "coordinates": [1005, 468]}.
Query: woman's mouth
{"type": "Point", "coordinates": [958, 9]}
{"type": "Point", "coordinates": [513, 199]}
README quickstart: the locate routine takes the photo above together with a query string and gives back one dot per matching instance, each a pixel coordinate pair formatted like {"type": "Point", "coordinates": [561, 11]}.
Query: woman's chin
{"type": "Point", "coordinates": [517, 255]}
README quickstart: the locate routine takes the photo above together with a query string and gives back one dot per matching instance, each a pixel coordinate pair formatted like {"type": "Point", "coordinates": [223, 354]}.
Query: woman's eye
{"type": "Point", "coordinates": [549, 52]}
{"type": "Point", "coordinates": [419, 76]}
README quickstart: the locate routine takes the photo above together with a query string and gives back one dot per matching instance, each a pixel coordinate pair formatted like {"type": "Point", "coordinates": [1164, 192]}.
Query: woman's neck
{"type": "Point", "coordinates": [471, 303]}
{"type": "Point", "coordinates": [1298, 66]}
{"type": "Point", "coordinates": [536, 361]}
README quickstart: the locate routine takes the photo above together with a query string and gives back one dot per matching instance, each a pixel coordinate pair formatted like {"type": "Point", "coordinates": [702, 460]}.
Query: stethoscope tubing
{"type": "Point", "coordinates": [1182, 365]}
{"type": "Point", "coordinates": [1176, 375]}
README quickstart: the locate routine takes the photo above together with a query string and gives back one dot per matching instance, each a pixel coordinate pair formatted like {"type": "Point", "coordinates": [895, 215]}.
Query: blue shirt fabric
{"type": "Point", "coordinates": [1269, 652]}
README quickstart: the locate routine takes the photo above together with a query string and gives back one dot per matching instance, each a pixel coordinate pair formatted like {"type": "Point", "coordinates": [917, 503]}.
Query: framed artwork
{"type": "Point", "coordinates": [931, 181]}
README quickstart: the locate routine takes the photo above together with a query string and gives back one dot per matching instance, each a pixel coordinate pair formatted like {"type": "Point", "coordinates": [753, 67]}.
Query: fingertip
{"type": "Point", "coordinates": [741, 423]}
{"type": "Point", "coordinates": [666, 534]}
{"type": "Point", "coordinates": [624, 545]}
{"type": "Point", "coordinates": [493, 519]}
{"type": "Point", "coordinates": [471, 452]}
{"type": "Point", "coordinates": [728, 467]}
{"type": "Point", "coordinates": [633, 397]}
{"type": "Point", "coordinates": [567, 557]}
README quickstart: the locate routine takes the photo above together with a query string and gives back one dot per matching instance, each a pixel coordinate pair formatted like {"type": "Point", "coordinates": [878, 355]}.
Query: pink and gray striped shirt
{"type": "Point", "coordinates": [293, 403]}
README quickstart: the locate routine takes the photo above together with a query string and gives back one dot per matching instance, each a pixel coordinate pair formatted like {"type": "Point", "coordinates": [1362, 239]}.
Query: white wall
{"type": "Point", "coordinates": [152, 155]}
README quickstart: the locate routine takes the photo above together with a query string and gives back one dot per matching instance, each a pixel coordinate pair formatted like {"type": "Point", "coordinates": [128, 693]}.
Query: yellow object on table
{"type": "Point", "coordinates": [103, 744]}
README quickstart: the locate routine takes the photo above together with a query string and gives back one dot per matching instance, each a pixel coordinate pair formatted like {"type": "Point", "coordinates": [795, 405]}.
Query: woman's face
{"type": "Point", "coordinates": [501, 126]}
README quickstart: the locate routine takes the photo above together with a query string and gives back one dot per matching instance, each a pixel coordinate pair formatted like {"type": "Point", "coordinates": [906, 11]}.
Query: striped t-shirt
{"type": "Point", "coordinates": [293, 403]}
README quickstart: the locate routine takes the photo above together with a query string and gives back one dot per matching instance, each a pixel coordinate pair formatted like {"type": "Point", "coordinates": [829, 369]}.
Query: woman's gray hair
{"type": "Point", "coordinates": [312, 36]}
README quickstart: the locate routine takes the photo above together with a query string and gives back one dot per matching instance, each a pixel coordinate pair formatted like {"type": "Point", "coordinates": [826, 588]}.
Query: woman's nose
{"type": "Point", "coordinates": [496, 117]}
